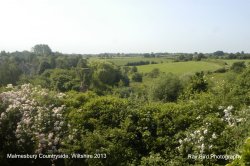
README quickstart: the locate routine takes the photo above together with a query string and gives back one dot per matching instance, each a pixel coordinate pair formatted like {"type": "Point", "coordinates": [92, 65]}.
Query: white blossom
{"type": "Point", "coordinates": [37, 119]}
{"type": "Point", "coordinates": [214, 136]}
{"type": "Point", "coordinates": [9, 86]}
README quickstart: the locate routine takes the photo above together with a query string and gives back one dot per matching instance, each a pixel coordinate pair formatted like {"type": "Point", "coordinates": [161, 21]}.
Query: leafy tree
{"type": "Point", "coordinates": [199, 56]}
{"type": "Point", "coordinates": [41, 49]}
{"type": "Point", "coordinates": [52, 62]}
{"type": "Point", "coordinates": [125, 69]}
{"type": "Point", "coordinates": [82, 63]}
{"type": "Point", "coordinates": [197, 84]}
{"type": "Point", "coordinates": [238, 66]}
{"type": "Point", "coordinates": [166, 88]}
{"type": "Point", "coordinates": [154, 73]}
{"type": "Point", "coordinates": [137, 77]}
{"type": "Point", "coordinates": [43, 66]}
{"type": "Point", "coordinates": [64, 80]}
{"type": "Point", "coordinates": [134, 69]}
{"type": "Point", "coordinates": [240, 88]}
{"type": "Point", "coordinates": [59, 80]}
{"type": "Point", "coordinates": [124, 80]}
{"type": "Point", "coordinates": [104, 74]}
{"type": "Point", "coordinates": [61, 63]}
{"type": "Point", "coordinates": [9, 73]}
{"type": "Point", "coordinates": [140, 63]}
{"type": "Point", "coordinates": [85, 77]}
{"type": "Point", "coordinates": [219, 53]}
{"type": "Point", "coordinates": [3, 53]}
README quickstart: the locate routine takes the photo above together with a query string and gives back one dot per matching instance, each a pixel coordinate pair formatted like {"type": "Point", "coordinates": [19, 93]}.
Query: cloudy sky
{"type": "Point", "coordinates": [97, 26]}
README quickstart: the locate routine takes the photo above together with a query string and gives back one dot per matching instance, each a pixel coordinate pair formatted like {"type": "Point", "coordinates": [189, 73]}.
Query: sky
{"type": "Point", "coordinates": [126, 26]}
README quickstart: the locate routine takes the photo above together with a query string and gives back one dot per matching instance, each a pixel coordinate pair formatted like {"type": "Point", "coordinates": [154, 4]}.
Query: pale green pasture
{"type": "Point", "coordinates": [181, 67]}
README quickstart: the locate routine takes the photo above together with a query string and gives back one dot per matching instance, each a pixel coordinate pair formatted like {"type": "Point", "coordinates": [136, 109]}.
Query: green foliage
{"type": "Point", "coordinates": [153, 160]}
{"type": "Point", "coordinates": [140, 63]}
{"type": "Point", "coordinates": [59, 79]}
{"type": "Point", "coordinates": [82, 63]}
{"type": "Point", "coordinates": [123, 92]}
{"type": "Point", "coordinates": [134, 69]}
{"type": "Point", "coordinates": [124, 80]}
{"type": "Point", "coordinates": [106, 75]}
{"type": "Point", "coordinates": [154, 73]}
{"type": "Point", "coordinates": [133, 132]}
{"type": "Point", "coordinates": [76, 100]}
{"type": "Point", "coordinates": [43, 66]}
{"type": "Point", "coordinates": [42, 49]}
{"type": "Point", "coordinates": [240, 88]}
{"type": "Point", "coordinates": [246, 152]}
{"type": "Point", "coordinates": [67, 62]}
{"type": "Point", "coordinates": [219, 53]}
{"type": "Point", "coordinates": [99, 121]}
{"type": "Point", "coordinates": [220, 70]}
{"type": "Point", "coordinates": [245, 156]}
{"type": "Point", "coordinates": [9, 73]}
{"type": "Point", "coordinates": [137, 77]}
{"type": "Point", "coordinates": [101, 112]}
{"type": "Point", "coordinates": [196, 84]}
{"type": "Point", "coordinates": [166, 88]}
{"type": "Point", "coordinates": [238, 66]}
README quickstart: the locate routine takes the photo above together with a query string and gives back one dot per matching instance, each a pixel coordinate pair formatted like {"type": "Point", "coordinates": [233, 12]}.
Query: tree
{"type": "Point", "coordinates": [219, 53]}
{"type": "Point", "coordinates": [137, 77]}
{"type": "Point", "coordinates": [3, 53]}
{"type": "Point", "coordinates": [197, 84]}
{"type": "Point", "coordinates": [134, 69]}
{"type": "Point", "coordinates": [166, 88]}
{"type": "Point", "coordinates": [85, 77]}
{"type": "Point", "coordinates": [199, 56]}
{"type": "Point", "coordinates": [154, 73]}
{"type": "Point", "coordinates": [61, 63]}
{"type": "Point", "coordinates": [9, 72]}
{"type": "Point", "coordinates": [104, 75]}
{"type": "Point", "coordinates": [240, 89]}
{"type": "Point", "coordinates": [238, 67]}
{"type": "Point", "coordinates": [82, 63]}
{"type": "Point", "coordinates": [43, 66]}
{"type": "Point", "coordinates": [42, 49]}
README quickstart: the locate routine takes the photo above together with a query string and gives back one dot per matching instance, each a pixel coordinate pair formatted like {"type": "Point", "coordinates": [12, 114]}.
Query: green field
{"type": "Point", "coordinates": [168, 65]}
{"type": "Point", "coordinates": [181, 67]}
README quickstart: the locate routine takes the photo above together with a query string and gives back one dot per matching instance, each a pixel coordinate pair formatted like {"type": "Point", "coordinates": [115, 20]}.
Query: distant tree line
{"type": "Point", "coordinates": [58, 71]}
{"type": "Point", "coordinates": [139, 63]}
{"type": "Point", "coordinates": [237, 55]}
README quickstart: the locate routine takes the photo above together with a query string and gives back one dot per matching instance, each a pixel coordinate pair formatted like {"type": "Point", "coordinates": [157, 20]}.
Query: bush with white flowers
{"type": "Point", "coordinates": [35, 116]}
{"type": "Point", "coordinates": [215, 132]}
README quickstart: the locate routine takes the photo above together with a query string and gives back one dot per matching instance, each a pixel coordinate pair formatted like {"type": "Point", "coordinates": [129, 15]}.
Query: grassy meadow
{"type": "Point", "coordinates": [168, 65]}
{"type": "Point", "coordinates": [180, 68]}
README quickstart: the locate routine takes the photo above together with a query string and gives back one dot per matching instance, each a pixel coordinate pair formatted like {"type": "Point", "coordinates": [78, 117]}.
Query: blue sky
{"type": "Point", "coordinates": [97, 26]}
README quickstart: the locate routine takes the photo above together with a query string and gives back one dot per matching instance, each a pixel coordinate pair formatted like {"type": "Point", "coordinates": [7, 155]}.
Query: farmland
{"type": "Point", "coordinates": [137, 107]}
{"type": "Point", "coordinates": [168, 65]}
{"type": "Point", "coordinates": [180, 67]}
